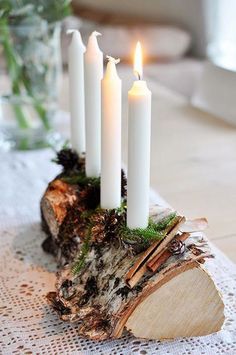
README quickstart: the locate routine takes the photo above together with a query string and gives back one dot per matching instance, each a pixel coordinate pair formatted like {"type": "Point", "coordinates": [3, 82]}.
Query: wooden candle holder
{"type": "Point", "coordinates": [161, 292]}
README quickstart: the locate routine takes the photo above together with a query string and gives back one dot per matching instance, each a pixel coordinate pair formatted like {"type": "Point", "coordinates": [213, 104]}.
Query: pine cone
{"type": "Point", "coordinates": [176, 247]}
{"type": "Point", "coordinates": [69, 159]}
{"type": "Point", "coordinates": [105, 226]}
{"type": "Point", "coordinates": [123, 184]}
{"type": "Point", "coordinates": [90, 197]}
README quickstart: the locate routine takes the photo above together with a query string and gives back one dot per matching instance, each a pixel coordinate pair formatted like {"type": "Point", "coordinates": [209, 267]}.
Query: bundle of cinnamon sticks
{"type": "Point", "coordinates": [160, 251]}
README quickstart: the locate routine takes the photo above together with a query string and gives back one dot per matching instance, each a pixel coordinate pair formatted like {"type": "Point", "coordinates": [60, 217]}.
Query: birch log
{"type": "Point", "coordinates": [110, 294]}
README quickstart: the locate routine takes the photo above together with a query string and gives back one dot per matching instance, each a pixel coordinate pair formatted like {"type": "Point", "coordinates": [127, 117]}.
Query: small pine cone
{"type": "Point", "coordinates": [176, 247]}
{"type": "Point", "coordinates": [123, 184]}
{"type": "Point", "coordinates": [98, 234]}
{"type": "Point", "coordinates": [98, 230]}
{"type": "Point", "coordinates": [105, 226]}
{"type": "Point", "coordinates": [69, 159]}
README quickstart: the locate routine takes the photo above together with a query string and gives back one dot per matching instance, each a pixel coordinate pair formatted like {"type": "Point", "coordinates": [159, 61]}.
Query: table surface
{"type": "Point", "coordinates": [193, 159]}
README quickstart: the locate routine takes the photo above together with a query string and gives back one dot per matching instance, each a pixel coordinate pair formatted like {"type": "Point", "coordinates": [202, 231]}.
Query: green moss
{"type": "Point", "coordinates": [81, 180]}
{"type": "Point", "coordinates": [165, 222]}
{"type": "Point", "coordinates": [154, 231]}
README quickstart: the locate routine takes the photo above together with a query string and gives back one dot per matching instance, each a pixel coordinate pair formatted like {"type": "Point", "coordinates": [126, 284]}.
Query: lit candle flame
{"type": "Point", "coordinates": [138, 61]}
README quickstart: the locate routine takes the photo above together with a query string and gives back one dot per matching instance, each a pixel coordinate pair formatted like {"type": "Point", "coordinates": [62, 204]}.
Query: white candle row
{"type": "Point", "coordinates": [102, 98]}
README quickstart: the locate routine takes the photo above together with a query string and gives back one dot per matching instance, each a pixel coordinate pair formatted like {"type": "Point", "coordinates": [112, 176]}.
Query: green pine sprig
{"type": "Point", "coordinates": [81, 258]}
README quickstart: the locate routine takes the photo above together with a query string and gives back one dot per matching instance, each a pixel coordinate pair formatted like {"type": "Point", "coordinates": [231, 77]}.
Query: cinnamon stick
{"type": "Point", "coordinates": [137, 276]}
{"type": "Point", "coordinates": [162, 247]}
{"type": "Point", "coordinates": [141, 262]}
{"type": "Point", "coordinates": [161, 259]}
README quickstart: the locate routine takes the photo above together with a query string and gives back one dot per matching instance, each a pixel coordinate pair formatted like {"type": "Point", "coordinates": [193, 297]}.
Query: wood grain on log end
{"type": "Point", "coordinates": [185, 304]}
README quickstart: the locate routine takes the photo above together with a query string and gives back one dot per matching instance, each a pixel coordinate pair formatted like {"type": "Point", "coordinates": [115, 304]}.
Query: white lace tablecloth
{"type": "Point", "coordinates": [28, 325]}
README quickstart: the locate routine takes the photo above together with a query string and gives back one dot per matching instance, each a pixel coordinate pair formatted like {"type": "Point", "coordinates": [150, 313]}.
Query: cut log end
{"type": "Point", "coordinates": [186, 305]}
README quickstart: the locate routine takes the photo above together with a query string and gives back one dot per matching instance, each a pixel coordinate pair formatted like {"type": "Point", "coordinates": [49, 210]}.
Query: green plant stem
{"type": "Point", "coordinates": [37, 105]}
{"type": "Point", "coordinates": [16, 75]}
{"type": "Point", "coordinates": [13, 73]}
{"type": "Point", "coordinates": [22, 122]}
{"type": "Point", "coordinates": [42, 114]}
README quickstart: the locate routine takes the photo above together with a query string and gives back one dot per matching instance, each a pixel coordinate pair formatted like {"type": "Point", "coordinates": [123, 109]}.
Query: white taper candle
{"type": "Point", "coordinates": [76, 91]}
{"type": "Point", "coordinates": [93, 62]}
{"type": "Point", "coordinates": [139, 132]}
{"type": "Point", "coordinates": [111, 137]}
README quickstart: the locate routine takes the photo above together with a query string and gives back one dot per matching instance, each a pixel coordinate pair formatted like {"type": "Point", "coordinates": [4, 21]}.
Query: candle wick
{"type": "Point", "coordinates": [138, 75]}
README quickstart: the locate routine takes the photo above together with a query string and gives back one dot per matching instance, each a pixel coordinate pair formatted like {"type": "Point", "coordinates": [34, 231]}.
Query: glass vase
{"type": "Point", "coordinates": [30, 67]}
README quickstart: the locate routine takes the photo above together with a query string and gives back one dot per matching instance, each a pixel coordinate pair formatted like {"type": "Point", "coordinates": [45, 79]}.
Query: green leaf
{"type": "Point", "coordinates": [51, 11]}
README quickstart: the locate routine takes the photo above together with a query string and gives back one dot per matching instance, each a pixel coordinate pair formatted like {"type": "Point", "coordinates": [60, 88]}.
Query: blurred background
{"type": "Point", "coordinates": [180, 33]}
{"type": "Point", "coordinates": [189, 64]}
{"type": "Point", "coordinates": [189, 45]}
